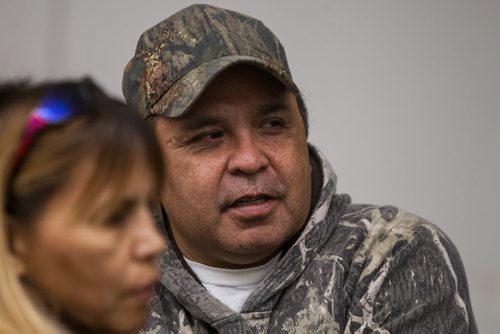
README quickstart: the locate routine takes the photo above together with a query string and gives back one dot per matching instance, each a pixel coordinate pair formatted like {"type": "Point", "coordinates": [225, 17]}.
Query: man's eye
{"type": "Point", "coordinates": [274, 123]}
{"type": "Point", "coordinates": [208, 136]}
{"type": "Point", "coordinates": [213, 135]}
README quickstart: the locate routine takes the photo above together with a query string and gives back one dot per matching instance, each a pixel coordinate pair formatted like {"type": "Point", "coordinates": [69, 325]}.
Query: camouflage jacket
{"type": "Point", "coordinates": [353, 269]}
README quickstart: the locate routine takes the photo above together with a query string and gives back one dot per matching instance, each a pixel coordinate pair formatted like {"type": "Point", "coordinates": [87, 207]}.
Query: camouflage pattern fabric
{"type": "Point", "coordinates": [353, 269]}
{"type": "Point", "coordinates": [176, 59]}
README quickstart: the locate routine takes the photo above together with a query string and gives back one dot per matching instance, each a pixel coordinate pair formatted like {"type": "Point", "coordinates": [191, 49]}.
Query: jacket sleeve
{"type": "Point", "coordinates": [409, 281]}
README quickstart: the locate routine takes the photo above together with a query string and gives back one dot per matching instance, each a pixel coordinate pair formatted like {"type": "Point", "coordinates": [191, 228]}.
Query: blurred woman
{"type": "Point", "coordinates": [79, 172]}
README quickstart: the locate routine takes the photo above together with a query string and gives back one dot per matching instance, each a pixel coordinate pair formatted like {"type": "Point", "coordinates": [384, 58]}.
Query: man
{"type": "Point", "coordinates": [258, 239]}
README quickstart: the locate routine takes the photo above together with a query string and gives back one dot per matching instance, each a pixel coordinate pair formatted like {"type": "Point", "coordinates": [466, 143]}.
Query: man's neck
{"type": "Point", "coordinates": [232, 286]}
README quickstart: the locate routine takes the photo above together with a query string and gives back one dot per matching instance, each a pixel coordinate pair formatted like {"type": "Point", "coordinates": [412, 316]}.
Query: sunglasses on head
{"type": "Point", "coordinates": [60, 104]}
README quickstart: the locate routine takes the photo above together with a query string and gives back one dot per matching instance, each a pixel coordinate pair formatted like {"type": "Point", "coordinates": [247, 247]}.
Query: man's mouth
{"type": "Point", "coordinates": [250, 200]}
{"type": "Point", "coordinates": [251, 206]}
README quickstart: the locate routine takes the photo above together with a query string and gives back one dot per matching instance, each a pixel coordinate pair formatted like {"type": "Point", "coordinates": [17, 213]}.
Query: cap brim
{"type": "Point", "coordinates": [184, 93]}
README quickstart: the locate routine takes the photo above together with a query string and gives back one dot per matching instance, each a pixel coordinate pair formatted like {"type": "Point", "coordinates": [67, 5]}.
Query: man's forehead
{"type": "Point", "coordinates": [244, 73]}
{"type": "Point", "coordinates": [242, 82]}
{"type": "Point", "coordinates": [220, 109]}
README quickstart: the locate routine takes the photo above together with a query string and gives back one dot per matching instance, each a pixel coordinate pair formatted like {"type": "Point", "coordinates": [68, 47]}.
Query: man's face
{"type": "Point", "coordinates": [238, 182]}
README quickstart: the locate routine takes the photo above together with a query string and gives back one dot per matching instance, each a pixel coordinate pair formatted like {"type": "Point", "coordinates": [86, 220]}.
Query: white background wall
{"type": "Point", "coordinates": [404, 96]}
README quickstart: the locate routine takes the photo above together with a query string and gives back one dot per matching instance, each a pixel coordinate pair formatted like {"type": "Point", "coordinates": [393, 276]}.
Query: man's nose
{"type": "Point", "coordinates": [247, 156]}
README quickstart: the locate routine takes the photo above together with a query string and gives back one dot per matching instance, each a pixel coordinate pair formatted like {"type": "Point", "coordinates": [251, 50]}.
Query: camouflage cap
{"type": "Point", "coordinates": [177, 59]}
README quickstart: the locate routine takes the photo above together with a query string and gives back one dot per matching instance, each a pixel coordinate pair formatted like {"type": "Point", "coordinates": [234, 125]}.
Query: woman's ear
{"type": "Point", "coordinates": [18, 250]}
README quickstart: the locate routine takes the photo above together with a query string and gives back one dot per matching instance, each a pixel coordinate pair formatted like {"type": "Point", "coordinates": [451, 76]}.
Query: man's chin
{"type": "Point", "coordinates": [254, 254]}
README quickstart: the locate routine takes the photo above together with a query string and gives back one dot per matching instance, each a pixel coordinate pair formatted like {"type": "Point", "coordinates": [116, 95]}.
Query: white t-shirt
{"type": "Point", "coordinates": [231, 286]}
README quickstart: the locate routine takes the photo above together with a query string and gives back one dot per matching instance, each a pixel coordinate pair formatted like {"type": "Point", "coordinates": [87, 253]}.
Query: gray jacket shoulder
{"type": "Point", "coordinates": [404, 273]}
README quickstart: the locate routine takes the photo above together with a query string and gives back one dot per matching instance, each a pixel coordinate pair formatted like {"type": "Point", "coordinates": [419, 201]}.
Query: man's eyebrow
{"type": "Point", "coordinates": [199, 122]}
{"type": "Point", "coordinates": [273, 107]}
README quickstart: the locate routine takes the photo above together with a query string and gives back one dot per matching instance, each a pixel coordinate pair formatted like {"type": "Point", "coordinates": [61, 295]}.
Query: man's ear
{"type": "Point", "coordinates": [18, 247]}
